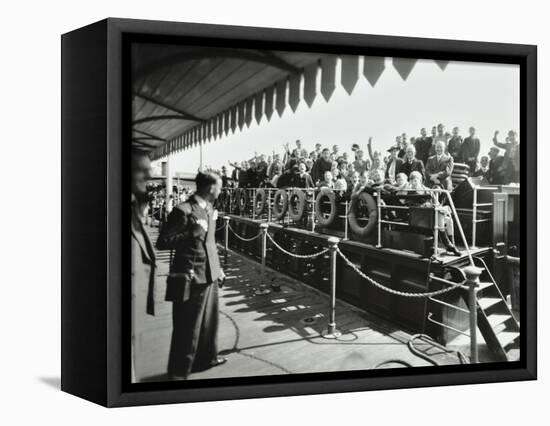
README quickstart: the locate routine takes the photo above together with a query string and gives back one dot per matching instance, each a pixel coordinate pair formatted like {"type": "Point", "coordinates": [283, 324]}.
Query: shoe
{"type": "Point", "coordinates": [218, 361]}
{"type": "Point", "coordinates": [452, 250]}
{"type": "Point", "coordinates": [175, 377]}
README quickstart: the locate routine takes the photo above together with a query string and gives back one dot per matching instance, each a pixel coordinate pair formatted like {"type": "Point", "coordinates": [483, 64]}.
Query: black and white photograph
{"type": "Point", "coordinates": [300, 212]}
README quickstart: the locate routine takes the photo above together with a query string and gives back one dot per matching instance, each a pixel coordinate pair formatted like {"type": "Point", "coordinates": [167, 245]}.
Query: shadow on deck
{"type": "Point", "coordinates": [278, 331]}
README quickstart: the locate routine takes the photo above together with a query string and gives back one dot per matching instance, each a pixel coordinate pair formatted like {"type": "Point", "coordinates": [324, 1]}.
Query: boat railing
{"type": "Point", "coordinates": [438, 208]}
{"type": "Point", "coordinates": [249, 208]}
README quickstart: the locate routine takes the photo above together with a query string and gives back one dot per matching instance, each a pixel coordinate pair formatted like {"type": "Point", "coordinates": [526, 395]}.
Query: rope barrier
{"type": "Point", "coordinates": [391, 290]}
{"type": "Point", "coordinates": [221, 227]}
{"type": "Point", "coordinates": [298, 256]}
{"type": "Point", "coordinates": [243, 238]}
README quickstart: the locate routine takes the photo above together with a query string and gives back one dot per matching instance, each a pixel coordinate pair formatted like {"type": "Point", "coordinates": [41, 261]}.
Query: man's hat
{"type": "Point", "coordinates": [394, 147]}
{"type": "Point", "coordinates": [494, 149]}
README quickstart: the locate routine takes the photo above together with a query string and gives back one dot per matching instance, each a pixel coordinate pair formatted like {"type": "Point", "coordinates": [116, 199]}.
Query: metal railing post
{"type": "Point", "coordinates": [313, 210]}
{"type": "Point", "coordinates": [346, 222]}
{"type": "Point", "coordinates": [263, 229]}
{"type": "Point", "coordinates": [332, 332]}
{"type": "Point", "coordinates": [379, 245]}
{"type": "Point", "coordinates": [472, 281]}
{"type": "Point", "coordinates": [474, 218]}
{"type": "Point", "coordinates": [254, 204]}
{"type": "Point", "coordinates": [436, 223]}
{"type": "Point", "coordinates": [226, 238]}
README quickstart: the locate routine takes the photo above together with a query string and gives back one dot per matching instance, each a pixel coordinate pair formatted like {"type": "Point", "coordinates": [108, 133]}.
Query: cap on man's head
{"type": "Point", "coordinates": [494, 149]}
{"type": "Point", "coordinates": [394, 148]}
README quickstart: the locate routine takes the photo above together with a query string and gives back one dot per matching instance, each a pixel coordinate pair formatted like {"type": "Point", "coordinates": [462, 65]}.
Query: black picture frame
{"type": "Point", "coordinates": [95, 174]}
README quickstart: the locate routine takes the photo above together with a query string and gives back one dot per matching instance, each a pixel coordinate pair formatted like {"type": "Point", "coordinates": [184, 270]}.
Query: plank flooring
{"type": "Point", "coordinates": [278, 332]}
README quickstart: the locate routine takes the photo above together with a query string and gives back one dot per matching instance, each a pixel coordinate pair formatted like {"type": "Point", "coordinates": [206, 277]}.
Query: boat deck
{"type": "Point", "coordinates": [279, 332]}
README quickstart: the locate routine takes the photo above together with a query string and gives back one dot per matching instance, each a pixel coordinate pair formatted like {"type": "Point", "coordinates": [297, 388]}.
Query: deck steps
{"type": "Point", "coordinates": [486, 302]}
{"type": "Point", "coordinates": [495, 320]}
{"type": "Point", "coordinates": [498, 319]}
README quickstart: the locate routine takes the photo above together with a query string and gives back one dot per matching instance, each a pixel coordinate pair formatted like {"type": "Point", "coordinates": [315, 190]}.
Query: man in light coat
{"type": "Point", "coordinates": [142, 259]}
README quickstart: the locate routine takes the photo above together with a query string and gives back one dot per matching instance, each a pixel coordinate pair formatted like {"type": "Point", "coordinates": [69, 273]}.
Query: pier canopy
{"type": "Point", "coordinates": [186, 95]}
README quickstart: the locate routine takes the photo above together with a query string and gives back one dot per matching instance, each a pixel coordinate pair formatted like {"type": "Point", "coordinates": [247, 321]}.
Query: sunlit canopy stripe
{"type": "Point", "coordinates": [183, 96]}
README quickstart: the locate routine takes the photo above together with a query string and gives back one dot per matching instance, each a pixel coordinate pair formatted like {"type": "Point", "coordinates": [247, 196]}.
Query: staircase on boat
{"type": "Point", "coordinates": [495, 320]}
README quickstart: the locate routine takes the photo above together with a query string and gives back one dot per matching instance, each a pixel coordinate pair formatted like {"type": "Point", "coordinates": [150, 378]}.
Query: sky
{"type": "Point", "coordinates": [464, 94]}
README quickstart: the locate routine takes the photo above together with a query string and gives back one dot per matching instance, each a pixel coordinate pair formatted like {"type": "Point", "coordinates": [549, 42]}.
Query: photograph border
{"type": "Point", "coordinates": [115, 388]}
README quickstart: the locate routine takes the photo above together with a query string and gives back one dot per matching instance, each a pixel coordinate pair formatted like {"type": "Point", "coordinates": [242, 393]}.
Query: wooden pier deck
{"type": "Point", "coordinates": [278, 332]}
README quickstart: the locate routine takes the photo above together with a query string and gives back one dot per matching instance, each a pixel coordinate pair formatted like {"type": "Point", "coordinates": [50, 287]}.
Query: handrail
{"type": "Point", "coordinates": [445, 325]}
{"type": "Point", "coordinates": [441, 302]}
{"type": "Point", "coordinates": [433, 191]}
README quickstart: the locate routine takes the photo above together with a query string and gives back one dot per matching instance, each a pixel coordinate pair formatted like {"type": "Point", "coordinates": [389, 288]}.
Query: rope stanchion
{"type": "Point", "coordinates": [332, 332]}
{"type": "Point", "coordinates": [298, 256]}
{"type": "Point", "coordinates": [243, 238]}
{"type": "Point", "coordinates": [391, 290]}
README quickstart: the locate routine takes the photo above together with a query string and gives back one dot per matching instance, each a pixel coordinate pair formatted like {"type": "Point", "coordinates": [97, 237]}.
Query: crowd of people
{"type": "Point", "coordinates": [426, 160]}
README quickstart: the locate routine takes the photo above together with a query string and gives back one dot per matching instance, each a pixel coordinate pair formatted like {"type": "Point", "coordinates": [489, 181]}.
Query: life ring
{"type": "Point", "coordinates": [243, 200]}
{"type": "Point", "coordinates": [260, 201]}
{"type": "Point", "coordinates": [324, 195]}
{"type": "Point", "coordinates": [296, 210]}
{"type": "Point", "coordinates": [282, 197]}
{"type": "Point", "coordinates": [372, 210]}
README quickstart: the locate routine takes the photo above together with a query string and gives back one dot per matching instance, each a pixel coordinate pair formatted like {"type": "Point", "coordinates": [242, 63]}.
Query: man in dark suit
{"type": "Point", "coordinates": [454, 145]}
{"type": "Point", "coordinates": [411, 164]}
{"type": "Point", "coordinates": [142, 259]}
{"type": "Point", "coordinates": [192, 284]}
{"type": "Point", "coordinates": [469, 150]}
{"type": "Point", "coordinates": [439, 168]}
{"type": "Point", "coordinates": [497, 170]}
{"type": "Point", "coordinates": [423, 145]}
{"type": "Point", "coordinates": [394, 163]}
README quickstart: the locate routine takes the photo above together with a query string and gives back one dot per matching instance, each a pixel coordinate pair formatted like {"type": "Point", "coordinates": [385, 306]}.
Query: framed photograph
{"type": "Point", "coordinates": [253, 212]}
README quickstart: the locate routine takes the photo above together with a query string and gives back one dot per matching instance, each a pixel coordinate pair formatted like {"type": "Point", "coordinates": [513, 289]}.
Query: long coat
{"type": "Point", "coordinates": [143, 262]}
{"type": "Point", "coordinates": [192, 286]}
{"type": "Point", "coordinates": [143, 269]}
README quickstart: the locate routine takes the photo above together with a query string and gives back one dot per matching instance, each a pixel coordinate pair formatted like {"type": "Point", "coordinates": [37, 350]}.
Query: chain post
{"type": "Point", "coordinates": [226, 239]}
{"type": "Point", "coordinates": [472, 281]}
{"type": "Point", "coordinates": [332, 332]}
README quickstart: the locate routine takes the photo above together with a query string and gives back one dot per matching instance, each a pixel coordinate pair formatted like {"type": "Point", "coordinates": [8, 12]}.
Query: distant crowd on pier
{"type": "Point", "coordinates": [423, 161]}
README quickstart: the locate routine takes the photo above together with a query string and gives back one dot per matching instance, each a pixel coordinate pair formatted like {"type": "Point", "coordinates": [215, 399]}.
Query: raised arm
{"type": "Point", "coordinates": [369, 148]}
{"type": "Point", "coordinates": [497, 143]}
{"type": "Point", "coordinates": [177, 229]}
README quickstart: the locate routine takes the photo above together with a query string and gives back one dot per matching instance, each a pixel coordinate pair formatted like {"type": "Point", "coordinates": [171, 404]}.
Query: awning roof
{"type": "Point", "coordinates": [184, 94]}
